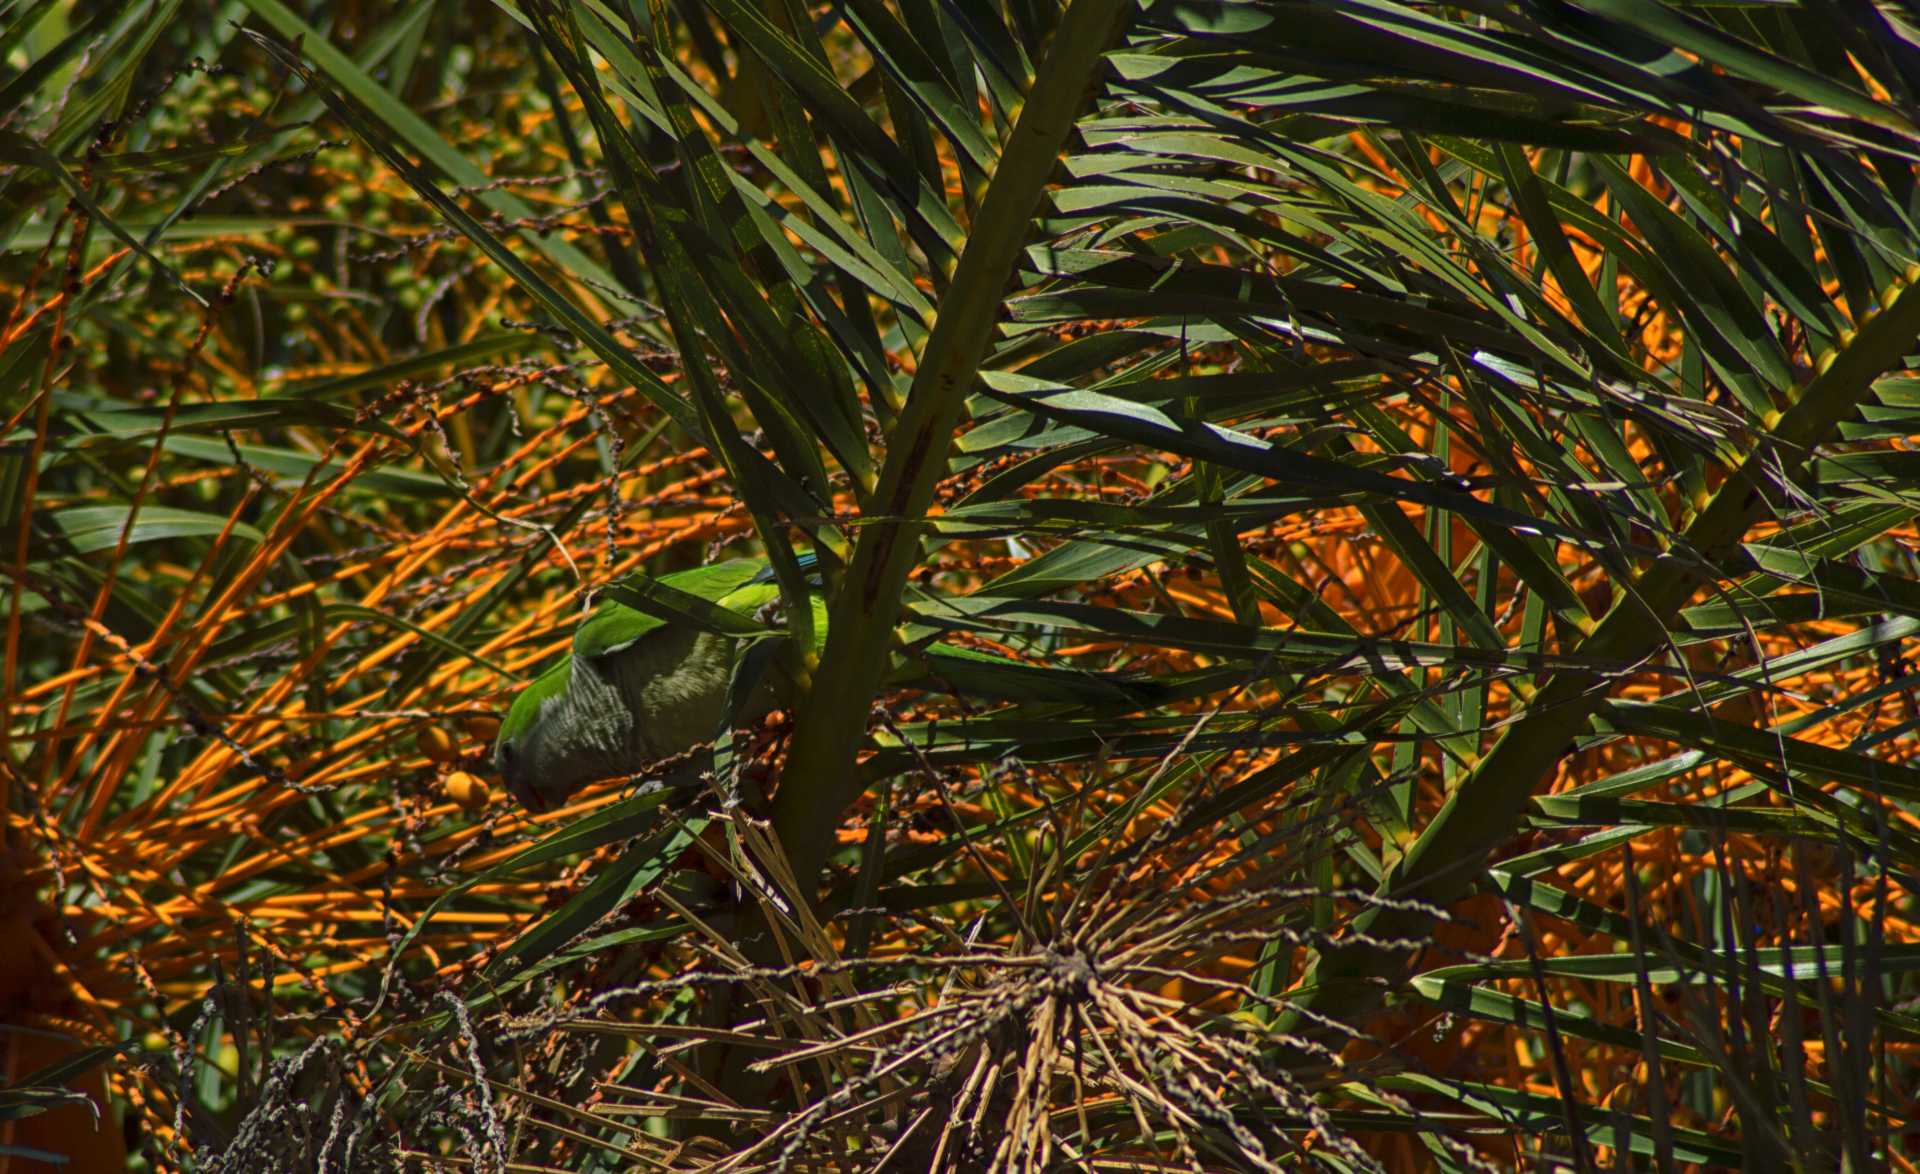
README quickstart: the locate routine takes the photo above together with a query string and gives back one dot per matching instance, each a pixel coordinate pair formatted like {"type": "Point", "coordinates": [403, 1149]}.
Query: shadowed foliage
{"type": "Point", "coordinates": [1368, 552]}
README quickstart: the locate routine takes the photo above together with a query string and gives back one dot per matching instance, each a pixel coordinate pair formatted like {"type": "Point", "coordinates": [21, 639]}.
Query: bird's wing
{"type": "Point", "coordinates": [808, 561]}
{"type": "Point", "coordinates": [716, 581]}
{"type": "Point", "coordinates": [615, 627]}
{"type": "Point", "coordinates": [757, 594]}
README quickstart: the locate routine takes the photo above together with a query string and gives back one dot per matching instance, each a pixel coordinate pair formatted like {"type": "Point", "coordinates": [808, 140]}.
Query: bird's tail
{"type": "Point", "coordinates": [809, 564]}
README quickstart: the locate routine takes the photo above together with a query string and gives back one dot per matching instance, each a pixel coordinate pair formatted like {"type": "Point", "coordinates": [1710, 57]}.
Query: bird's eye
{"type": "Point", "coordinates": [506, 752]}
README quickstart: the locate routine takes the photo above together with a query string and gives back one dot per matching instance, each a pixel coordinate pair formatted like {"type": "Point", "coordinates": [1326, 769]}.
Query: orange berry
{"type": "Point", "coordinates": [483, 728]}
{"type": "Point", "coordinates": [437, 745]}
{"type": "Point", "coordinates": [467, 790]}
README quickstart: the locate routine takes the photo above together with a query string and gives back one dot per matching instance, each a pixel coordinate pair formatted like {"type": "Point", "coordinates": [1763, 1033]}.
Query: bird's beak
{"type": "Point", "coordinates": [529, 797]}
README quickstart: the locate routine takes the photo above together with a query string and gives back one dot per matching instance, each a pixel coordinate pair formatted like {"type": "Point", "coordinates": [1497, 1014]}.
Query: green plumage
{"type": "Point", "coordinates": [635, 687]}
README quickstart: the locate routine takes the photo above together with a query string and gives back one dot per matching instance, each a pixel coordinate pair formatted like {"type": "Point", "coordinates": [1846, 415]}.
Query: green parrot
{"type": "Point", "coordinates": [634, 687]}
{"type": "Point", "coordinates": [637, 687]}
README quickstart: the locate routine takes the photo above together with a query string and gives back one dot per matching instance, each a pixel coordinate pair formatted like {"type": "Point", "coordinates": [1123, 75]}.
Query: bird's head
{"type": "Point", "coordinates": [536, 751]}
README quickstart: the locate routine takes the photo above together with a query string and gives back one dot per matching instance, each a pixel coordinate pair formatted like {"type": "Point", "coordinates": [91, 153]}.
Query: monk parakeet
{"type": "Point", "coordinates": [634, 687]}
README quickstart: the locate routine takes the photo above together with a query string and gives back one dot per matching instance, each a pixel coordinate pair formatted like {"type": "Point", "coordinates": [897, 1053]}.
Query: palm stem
{"type": "Point", "coordinates": [818, 781]}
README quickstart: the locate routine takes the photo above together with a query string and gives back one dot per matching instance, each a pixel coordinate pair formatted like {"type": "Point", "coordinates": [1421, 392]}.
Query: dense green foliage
{"type": "Point", "coordinates": [1437, 484]}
